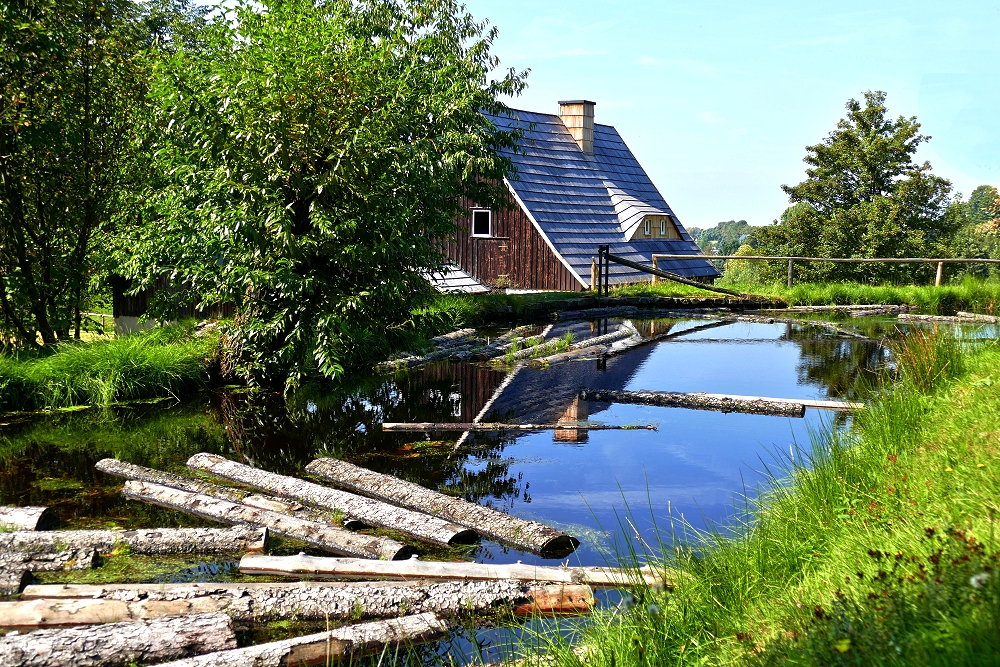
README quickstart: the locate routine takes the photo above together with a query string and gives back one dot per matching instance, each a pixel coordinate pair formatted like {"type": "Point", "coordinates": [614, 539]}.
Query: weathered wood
{"type": "Point", "coordinates": [13, 580]}
{"type": "Point", "coordinates": [155, 541]}
{"type": "Point", "coordinates": [978, 317]}
{"type": "Point", "coordinates": [123, 643]}
{"type": "Point", "coordinates": [52, 561]}
{"type": "Point", "coordinates": [636, 340]}
{"type": "Point", "coordinates": [323, 648]}
{"type": "Point", "coordinates": [952, 319]}
{"type": "Point", "coordinates": [452, 337]}
{"type": "Point", "coordinates": [672, 276]}
{"type": "Point", "coordinates": [527, 535]}
{"type": "Point", "coordinates": [889, 307]}
{"type": "Point", "coordinates": [755, 405]}
{"type": "Point", "coordinates": [326, 537]}
{"type": "Point", "coordinates": [373, 512]}
{"type": "Point", "coordinates": [359, 568]}
{"type": "Point", "coordinates": [27, 518]}
{"type": "Point", "coordinates": [624, 331]}
{"type": "Point", "coordinates": [254, 603]}
{"type": "Point", "coordinates": [592, 351]}
{"type": "Point", "coordinates": [143, 474]}
{"type": "Point", "coordinates": [431, 427]}
{"type": "Point", "coordinates": [710, 399]}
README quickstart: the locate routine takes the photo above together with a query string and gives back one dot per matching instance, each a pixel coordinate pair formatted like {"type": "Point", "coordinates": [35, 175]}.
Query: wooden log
{"type": "Point", "coordinates": [431, 427]}
{"type": "Point", "coordinates": [143, 474]}
{"type": "Point", "coordinates": [50, 561]}
{"type": "Point", "coordinates": [526, 535]}
{"type": "Point", "coordinates": [452, 337]}
{"type": "Point", "coordinates": [793, 403]}
{"type": "Point", "coordinates": [373, 512]}
{"type": "Point", "coordinates": [13, 580]}
{"type": "Point", "coordinates": [28, 518]}
{"type": "Point", "coordinates": [978, 317]}
{"type": "Point", "coordinates": [324, 648]}
{"type": "Point", "coordinates": [951, 319]}
{"type": "Point", "coordinates": [592, 351]}
{"type": "Point", "coordinates": [326, 537]}
{"type": "Point", "coordinates": [359, 568]}
{"type": "Point", "coordinates": [114, 644]}
{"type": "Point", "coordinates": [150, 542]}
{"type": "Point", "coordinates": [58, 605]}
{"type": "Point", "coordinates": [755, 405]}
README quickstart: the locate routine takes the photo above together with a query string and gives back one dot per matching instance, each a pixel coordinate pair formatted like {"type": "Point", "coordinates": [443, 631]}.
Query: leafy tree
{"type": "Point", "coordinates": [979, 232]}
{"type": "Point", "coordinates": [864, 196]}
{"type": "Point", "coordinates": [71, 83]}
{"type": "Point", "coordinates": [315, 155]}
{"type": "Point", "coordinates": [723, 239]}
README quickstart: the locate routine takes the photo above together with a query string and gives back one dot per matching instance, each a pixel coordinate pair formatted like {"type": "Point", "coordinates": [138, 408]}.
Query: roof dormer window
{"type": "Point", "coordinates": [482, 222]}
{"type": "Point", "coordinates": [645, 229]}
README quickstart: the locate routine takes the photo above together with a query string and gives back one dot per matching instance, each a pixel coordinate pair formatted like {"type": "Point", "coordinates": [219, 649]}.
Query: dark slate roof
{"type": "Point", "coordinates": [582, 201]}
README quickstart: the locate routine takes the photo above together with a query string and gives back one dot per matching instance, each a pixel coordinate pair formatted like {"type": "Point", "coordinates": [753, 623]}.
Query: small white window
{"type": "Point", "coordinates": [482, 222]}
{"type": "Point", "coordinates": [663, 227]}
{"type": "Point", "coordinates": [646, 228]}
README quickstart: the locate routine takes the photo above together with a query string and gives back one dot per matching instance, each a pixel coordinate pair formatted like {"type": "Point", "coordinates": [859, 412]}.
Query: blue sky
{"type": "Point", "coordinates": [719, 99]}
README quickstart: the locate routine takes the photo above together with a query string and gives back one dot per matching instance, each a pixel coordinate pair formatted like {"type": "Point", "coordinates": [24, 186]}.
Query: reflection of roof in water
{"type": "Point", "coordinates": [542, 395]}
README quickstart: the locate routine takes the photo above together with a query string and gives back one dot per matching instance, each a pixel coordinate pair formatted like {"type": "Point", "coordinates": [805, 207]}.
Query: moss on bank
{"type": "Point", "coordinates": [882, 549]}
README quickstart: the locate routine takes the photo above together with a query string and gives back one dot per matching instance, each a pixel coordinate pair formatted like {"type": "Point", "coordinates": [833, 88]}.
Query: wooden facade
{"type": "Point", "coordinates": [514, 255]}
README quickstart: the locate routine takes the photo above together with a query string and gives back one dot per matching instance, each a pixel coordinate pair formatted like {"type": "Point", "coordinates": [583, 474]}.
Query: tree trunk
{"type": "Point", "coordinates": [324, 648]}
{"type": "Point", "coordinates": [28, 518]}
{"type": "Point", "coordinates": [527, 535]}
{"type": "Point", "coordinates": [114, 644]}
{"type": "Point", "coordinates": [430, 427]}
{"type": "Point", "coordinates": [52, 561]}
{"type": "Point", "coordinates": [13, 580]}
{"type": "Point", "coordinates": [142, 474]}
{"type": "Point", "coordinates": [592, 351]}
{"type": "Point", "coordinates": [58, 605]}
{"type": "Point", "coordinates": [373, 512]}
{"type": "Point", "coordinates": [359, 568]}
{"type": "Point", "coordinates": [329, 538]}
{"type": "Point", "coordinates": [156, 541]}
{"type": "Point", "coordinates": [755, 405]}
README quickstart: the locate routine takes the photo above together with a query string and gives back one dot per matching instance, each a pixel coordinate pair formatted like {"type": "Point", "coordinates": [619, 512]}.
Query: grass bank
{"type": "Point", "coordinates": [167, 361]}
{"type": "Point", "coordinates": [881, 549]}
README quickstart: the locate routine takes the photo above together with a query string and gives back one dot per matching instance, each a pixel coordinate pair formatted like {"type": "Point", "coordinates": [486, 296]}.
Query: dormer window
{"type": "Point", "coordinates": [482, 222]}
{"type": "Point", "coordinates": [646, 227]}
{"type": "Point", "coordinates": [663, 227]}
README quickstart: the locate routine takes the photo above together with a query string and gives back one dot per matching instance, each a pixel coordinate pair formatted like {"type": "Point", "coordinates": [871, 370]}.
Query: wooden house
{"type": "Point", "coordinates": [577, 186]}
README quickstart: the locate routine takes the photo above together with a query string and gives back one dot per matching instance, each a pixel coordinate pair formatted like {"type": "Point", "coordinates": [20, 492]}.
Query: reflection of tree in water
{"type": "Point", "coordinates": [844, 367]}
{"type": "Point", "coordinates": [283, 436]}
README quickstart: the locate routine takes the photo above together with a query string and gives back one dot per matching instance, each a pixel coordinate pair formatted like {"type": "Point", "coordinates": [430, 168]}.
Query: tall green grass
{"type": "Point", "coordinates": [169, 361]}
{"type": "Point", "coordinates": [876, 545]}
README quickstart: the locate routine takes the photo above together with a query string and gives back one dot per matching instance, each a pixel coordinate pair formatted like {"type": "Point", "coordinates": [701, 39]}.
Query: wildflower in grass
{"type": "Point", "coordinates": [980, 465]}
{"type": "Point", "coordinates": [842, 645]}
{"type": "Point", "coordinates": [977, 581]}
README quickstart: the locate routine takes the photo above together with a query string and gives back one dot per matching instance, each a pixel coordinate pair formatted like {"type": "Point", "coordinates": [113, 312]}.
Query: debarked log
{"type": "Point", "coordinates": [430, 427]}
{"type": "Point", "coordinates": [49, 561]}
{"type": "Point", "coordinates": [359, 568]}
{"type": "Point", "coordinates": [28, 518]}
{"type": "Point", "coordinates": [119, 643]}
{"type": "Point", "coordinates": [698, 401]}
{"type": "Point", "coordinates": [583, 352]}
{"type": "Point", "coordinates": [143, 474]}
{"type": "Point", "coordinates": [960, 318]}
{"type": "Point", "coordinates": [326, 537]}
{"type": "Point", "coordinates": [526, 535]}
{"type": "Point", "coordinates": [146, 541]}
{"type": "Point", "coordinates": [13, 580]}
{"type": "Point", "coordinates": [323, 648]}
{"type": "Point", "coordinates": [58, 605]}
{"type": "Point", "coordinates": [373, 512]}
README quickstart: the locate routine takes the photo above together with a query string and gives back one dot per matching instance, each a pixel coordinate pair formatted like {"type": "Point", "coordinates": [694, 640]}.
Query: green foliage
{"type": "Point", "coordinates": [72, 86]}
{"type": "Point", "coordinates": [315, 156]}
{"type": "Point", "coordinates": [723, 239]}
{"type": "Point", "coordinates": [864, 196]}
{"type": "Point", "coordinates": [979, 233]}
{"type": "Point", "coordinates": [744, 272]}
{"type": "Point", "coordinates": [161, 362]}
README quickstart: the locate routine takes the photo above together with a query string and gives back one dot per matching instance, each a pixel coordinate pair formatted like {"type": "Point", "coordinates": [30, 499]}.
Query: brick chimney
{"type": "Point", "coordinates": [578, 117]}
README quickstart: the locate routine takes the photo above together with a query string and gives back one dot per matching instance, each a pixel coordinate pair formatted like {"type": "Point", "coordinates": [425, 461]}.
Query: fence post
{"type": "Point", "coordinates": [791, 271]}
{"type": "Point", "coordinates": [940, 271]}
{"type": "Point", "coordinates": [656, 265]}
{"type": "Point", "coordinates": [594, 276]}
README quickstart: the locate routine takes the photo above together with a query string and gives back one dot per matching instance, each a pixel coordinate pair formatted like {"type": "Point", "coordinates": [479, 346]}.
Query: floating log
{"type": "Point", "coordinates": [978, 317]}
{"type": "Point", "coordinates": [527, 535]}
{"type": "Point", "coordinates": [50, 561]}
{"type": "Point", "coordinates": [114, 644]}
{"type": "Point", "coordinates": [452, 337]}
{"type": "Point", "coordinates": [431, 427]}
{"type": "Point", "coordinates": [28, 518]}
{"type": "Point", "coordinates": [755, 405]}
{"type": "Point", "coordinates": [326, 537]}
{"type": "Point", "coordinates": [13, 580]}
{"type": "Point", "coordinates": [885, 307]}
{"type": "Point", "coordinates": [69, 604]}
{"type": "Point", "coordinates": [150, 542]}
{"type": "Point", "coordinates": [951, 319]}
{"type": "Point", "coordinates": [359, 568]}
{"type": "Point", "coordinates": [373, 512]}
{"type": "Point", "coordinates": [501, 344]}
{"type": "Point", "coordinates": [659, 396]}
{"type": "Point", "coordinates": [324, 648]}
{"type": "Point", "coordinates": [143, 474]}
{"type": "Point", "coordinates": [592, 351]}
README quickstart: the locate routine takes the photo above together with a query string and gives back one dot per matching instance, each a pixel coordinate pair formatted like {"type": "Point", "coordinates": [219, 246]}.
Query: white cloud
{"type": "Point", "coordinates": [649, 61]}
{"type": "Point", "coordinates": [711, 117]}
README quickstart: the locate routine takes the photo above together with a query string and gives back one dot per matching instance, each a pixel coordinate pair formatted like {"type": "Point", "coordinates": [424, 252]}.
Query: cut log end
{"type": "Point", "coordinates": [13, 581]}
{"type": "Point", "coordinates": [560, 546]}
{"type": "Point", "coordinates": [28, 518]}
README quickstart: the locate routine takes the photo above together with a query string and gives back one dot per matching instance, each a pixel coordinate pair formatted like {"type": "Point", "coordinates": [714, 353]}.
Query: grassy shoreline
{"type": "Point", "coordinates": [882, 550]}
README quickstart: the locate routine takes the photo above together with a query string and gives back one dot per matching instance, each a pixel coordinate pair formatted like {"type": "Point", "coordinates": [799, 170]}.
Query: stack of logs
{"type": "Point", "coordinates": [401, 600]}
